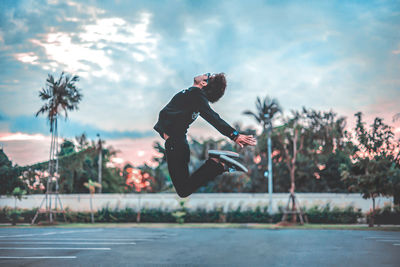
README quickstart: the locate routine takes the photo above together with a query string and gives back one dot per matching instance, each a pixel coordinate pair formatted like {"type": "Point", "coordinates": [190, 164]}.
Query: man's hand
{"type": "Point", "coordinates": [245, 140]}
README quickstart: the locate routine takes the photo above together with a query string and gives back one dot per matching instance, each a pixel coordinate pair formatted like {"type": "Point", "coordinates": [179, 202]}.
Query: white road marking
{"type": "Point", "coordinates": [388, 240]}
{"type": "Point", "coordinates": [396, 244]}
{"type": "Point", "coordinates": [80, 239]}
{"type": "Point", "coordinates": [380, 237]}
{"type": "Point", "coordinates": [39, 257]}
{"type": "Point", "coordinates": [53, 233]}
{"type": "Point", "coordinates": [69, 243]}
{"type": "Point", "coordinates": [51, 248]}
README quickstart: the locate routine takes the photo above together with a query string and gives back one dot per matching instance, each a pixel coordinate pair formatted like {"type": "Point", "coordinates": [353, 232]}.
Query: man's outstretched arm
{"type": "Point", "coordinates": [224, 128]}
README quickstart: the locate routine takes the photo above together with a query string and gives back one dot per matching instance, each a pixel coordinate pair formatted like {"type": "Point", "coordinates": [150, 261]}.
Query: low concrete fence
{"type": "Point", "coordinates": [170, 201]}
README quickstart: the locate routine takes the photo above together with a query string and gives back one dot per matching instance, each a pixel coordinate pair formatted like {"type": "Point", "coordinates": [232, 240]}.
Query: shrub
{"type": "Point", "coordinates": [202, 215]}
{"type": "Point", "coordinates": [336, 215]}
{"type": "Point", "coordinates": [156, 215]}
{"type": "Point", "coordinates": [249, 215]}
{"type": "Point", "coordinates": [386, 215]}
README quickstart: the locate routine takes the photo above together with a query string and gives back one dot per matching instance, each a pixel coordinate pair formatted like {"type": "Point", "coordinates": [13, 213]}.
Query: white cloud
{"type": "Point", "coordinates": [115, 31]}
{"type": "Point", "coordinates": [72, 19]}
{"type": "Point", "coordinates": [62, 51]}
{"type": "Point", "coordinates": [79, 52]}
{"type": "Point", "coordinates": [27, 58]}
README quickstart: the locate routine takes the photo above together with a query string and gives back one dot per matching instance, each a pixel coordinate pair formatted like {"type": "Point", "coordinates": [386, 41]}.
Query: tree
{"type": "Point", "coordinates": [66, 148]}
{"type": "Point", "coordinates": [376, 162]}
{"type": "Point", "coordinates": [269, 106]}
{"type": "Point", "coordinates": [8, 175]}
{"type": "Point", "coordinates": [77, 166]}
{"type": "Point", "coordinates": [290, 143]}
{"type": "Point", "coordinates": [15, 214]}
{"type": "Point", "coordinates": [58, 95]}
{"type": "Point", "coordinates": [82, 141]}
{"type": "Point", "coordinates": [34, 180]}
{"type": "Point", "coordinates": [324, 150]}
{"type": "Point", "coordinates": [303, 144]}
{"type": "Point", "coordinates": [291, 138]}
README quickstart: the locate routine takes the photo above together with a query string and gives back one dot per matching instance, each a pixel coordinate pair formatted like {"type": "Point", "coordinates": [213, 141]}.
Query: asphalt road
{"type": "Point", "coordinates": [196, 247]}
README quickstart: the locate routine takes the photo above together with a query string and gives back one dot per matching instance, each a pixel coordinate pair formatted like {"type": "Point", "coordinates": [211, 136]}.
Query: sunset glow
{"type": "Point", "coordinates": [21, 137]}
{"type": "Point", "coordinates": [138, 180]}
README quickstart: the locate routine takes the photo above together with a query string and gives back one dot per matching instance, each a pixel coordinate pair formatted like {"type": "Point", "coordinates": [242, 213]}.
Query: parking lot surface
{"type": "Point", "coordinates": [196, 247]}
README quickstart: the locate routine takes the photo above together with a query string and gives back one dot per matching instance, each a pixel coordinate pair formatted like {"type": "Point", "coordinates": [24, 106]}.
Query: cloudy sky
{"type": "Point", "coordinates": [133, 56]}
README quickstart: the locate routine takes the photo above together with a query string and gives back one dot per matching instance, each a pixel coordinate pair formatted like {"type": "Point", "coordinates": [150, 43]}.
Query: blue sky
{"type": "Point", "coordinates": [132, 56]}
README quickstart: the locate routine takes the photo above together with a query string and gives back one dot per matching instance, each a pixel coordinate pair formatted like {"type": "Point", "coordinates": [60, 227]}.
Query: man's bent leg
{"type": "Point", "coordinates": [178, 157]}
{"type": "Point", "coordinates": [207, 172]}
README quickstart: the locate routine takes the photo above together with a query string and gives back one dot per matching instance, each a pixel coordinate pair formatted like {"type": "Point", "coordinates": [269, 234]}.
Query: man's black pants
{"type": "Point", "coordinates": [178, 157]}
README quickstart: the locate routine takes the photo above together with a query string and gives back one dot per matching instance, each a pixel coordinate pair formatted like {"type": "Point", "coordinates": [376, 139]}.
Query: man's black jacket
{"type": "Point", "coordinates": [183, 109]}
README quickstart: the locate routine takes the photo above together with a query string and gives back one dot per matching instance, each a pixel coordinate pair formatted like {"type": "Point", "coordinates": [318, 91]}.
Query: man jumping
{"type": "Point", "coordinates": [173, 122]}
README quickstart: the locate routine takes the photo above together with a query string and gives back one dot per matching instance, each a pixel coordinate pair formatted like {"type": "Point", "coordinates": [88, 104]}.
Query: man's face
{"type": "Point", "coordinates": [202, 79]}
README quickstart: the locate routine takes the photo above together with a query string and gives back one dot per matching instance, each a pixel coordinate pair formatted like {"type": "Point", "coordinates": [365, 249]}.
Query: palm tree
{"type": "Point", "coordinates": [270, 107]}
{"type": "Point", "coordinates": [266, 111]}
{"type": "Point", "coordinates": [59, 95]}
{"type": "Point", "coordinates": [83, 143]}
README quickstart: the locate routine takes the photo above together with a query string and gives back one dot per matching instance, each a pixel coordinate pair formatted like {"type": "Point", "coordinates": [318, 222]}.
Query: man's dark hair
{"type": "Point", "coordinates": [215, 88]}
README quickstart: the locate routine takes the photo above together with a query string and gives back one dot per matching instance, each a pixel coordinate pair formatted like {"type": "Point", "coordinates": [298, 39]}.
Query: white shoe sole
{"type": "Point", "coordinates": [236, 166]}
{"type": "Point", "coordinates": [218, 153]}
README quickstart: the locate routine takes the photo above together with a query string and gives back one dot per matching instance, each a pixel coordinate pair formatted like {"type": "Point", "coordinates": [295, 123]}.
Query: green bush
{"type": "Point", "coordinates": [334, 215]}
{"type": "Point", "coordinates": [316, 214]}
{"type": "Point", "coordinates": [14, 215]}
{"type": "Point", "coordinates": [202, 215]}
{"type": "Point", "coordinates": [108, 215]}
{"type": "Point", "coordinates": [248, 216]}
{"type": "Point", "coordinates": [387, 215]}
{"type": "Point", "coordinates": [157, 215]}
{"type": "Point", "coordinates": [24, 215]}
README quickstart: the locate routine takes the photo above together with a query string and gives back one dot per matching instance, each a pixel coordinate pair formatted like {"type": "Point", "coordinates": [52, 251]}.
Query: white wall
{"type": "Point", "coordinates": [81, 202]}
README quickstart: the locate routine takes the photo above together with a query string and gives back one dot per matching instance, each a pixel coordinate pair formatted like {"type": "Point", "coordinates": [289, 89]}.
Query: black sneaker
{"type": "Point", "coordinates": [232, 165]}
{"type": "Point", "coordinates": [218, 153]}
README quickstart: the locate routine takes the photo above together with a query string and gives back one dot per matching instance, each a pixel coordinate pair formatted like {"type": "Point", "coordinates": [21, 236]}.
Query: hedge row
{"type": "Point", "coordinates": [386, 215]}
{"type": "Point", "coordinates": [315, 214]}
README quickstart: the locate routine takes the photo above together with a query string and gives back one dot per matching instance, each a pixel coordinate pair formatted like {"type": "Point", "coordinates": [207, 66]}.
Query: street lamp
{"type": "Point", "coordinates": [269, 172]}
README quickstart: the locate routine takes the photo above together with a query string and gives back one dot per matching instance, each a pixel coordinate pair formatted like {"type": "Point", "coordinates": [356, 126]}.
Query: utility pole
{"type": "Point", "coordinates": [269, 172]}
{"type": "Point", "coordinates": [100, 160]}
